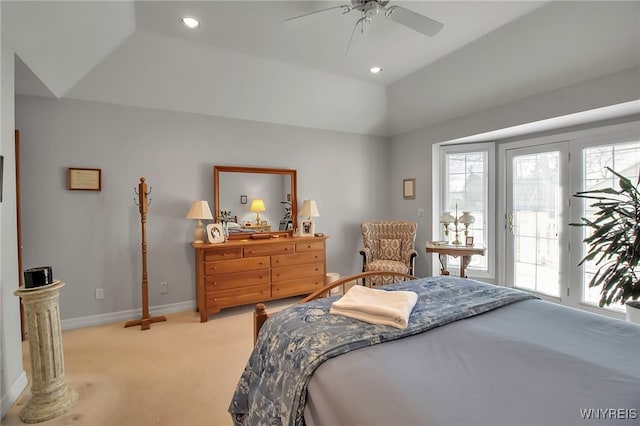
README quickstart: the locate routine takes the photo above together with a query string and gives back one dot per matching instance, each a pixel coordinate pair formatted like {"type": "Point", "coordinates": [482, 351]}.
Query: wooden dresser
{"type": "Point", "coordinates": [239, 272]}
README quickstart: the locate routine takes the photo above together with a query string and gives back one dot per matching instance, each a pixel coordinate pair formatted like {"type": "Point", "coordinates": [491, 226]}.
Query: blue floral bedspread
{"type": "Point", "coordinates": [294, 342]}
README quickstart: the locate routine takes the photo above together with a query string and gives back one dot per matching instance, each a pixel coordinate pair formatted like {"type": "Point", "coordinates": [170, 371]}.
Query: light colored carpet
{"type": "Point", "coordinates": [178, 373]}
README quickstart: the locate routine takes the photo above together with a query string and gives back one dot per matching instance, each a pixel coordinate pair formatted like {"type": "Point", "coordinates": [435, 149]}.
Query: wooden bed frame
{"type": "Point", "coordinates": [260, 314]}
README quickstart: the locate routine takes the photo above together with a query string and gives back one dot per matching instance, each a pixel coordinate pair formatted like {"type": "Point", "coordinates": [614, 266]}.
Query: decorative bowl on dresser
{"type": "Point", "coordinates": [239, 272]}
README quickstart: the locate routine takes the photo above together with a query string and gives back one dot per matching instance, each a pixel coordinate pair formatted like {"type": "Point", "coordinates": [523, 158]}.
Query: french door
{"type": "Point", "coordinates": [537, 209]}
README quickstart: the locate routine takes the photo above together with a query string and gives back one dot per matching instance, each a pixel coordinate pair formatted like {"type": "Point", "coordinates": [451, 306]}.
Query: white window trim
{"type": "Point", "coordinates": [619, 134]}
{"type": "Point", "coordinates": [488, 147]}
{"type": "Point", "coordinates": [577, 140]}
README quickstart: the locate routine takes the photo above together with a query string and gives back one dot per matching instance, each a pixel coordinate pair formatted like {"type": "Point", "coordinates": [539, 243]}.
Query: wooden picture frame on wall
{"type": "Point", "coordinates": [82, 179]}
{"type": "Point", "coordinates": [409, 189]}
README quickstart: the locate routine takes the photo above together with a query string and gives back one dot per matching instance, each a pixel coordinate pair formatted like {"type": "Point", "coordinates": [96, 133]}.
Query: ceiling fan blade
{"type": "Point", "coordinates": [345, 9]}
{"type": "Point", "coordinates": [413, 20]}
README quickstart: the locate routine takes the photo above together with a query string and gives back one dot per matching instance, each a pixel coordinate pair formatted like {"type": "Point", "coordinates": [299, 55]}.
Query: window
{"type": "Point", "coordinates": [467, 175]}
{"type": "Point", "coordinates": [622, 157]}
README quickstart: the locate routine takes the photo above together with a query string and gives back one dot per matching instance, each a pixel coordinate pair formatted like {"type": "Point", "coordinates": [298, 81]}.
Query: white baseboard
{"type": "Point", "coordinates": [70, 324]}
{"type": "Point", "coordinates": [13, 393]}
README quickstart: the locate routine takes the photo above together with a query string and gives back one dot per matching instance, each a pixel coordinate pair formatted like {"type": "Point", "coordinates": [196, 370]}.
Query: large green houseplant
{"type": "Point", "coordinates": [614, 243]}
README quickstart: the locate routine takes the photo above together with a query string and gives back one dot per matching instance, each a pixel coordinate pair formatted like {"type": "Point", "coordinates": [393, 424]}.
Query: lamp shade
{"type": "Point", "coordinates": [309, 208]}
{"type": "Point", "coordinates": [257, 205]}
{"type": "Point", "coordinates": [466, 218]}
{"type": "Point", "coordinates": [446, 217]}
{"type": "Point", "coordinates": [199, 210]}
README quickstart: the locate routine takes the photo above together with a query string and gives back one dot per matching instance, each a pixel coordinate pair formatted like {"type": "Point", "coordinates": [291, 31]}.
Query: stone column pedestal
{"type": "Point", "coordinates": [51, 396]}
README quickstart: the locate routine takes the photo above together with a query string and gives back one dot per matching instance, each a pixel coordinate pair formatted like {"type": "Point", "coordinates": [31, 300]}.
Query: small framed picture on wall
{"type": "Point", "coordinates": [469, 241]}
{"type": "Point", "coordinates": [243, 199]}
{"type": "Point", "coordinates": [409, 189]}
{"type": "Point", "coordinates": [80, 179]}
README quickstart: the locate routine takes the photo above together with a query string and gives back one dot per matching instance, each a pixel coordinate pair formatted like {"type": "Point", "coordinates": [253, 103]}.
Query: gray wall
{"type": "Point", "coordinates": [92, 239]}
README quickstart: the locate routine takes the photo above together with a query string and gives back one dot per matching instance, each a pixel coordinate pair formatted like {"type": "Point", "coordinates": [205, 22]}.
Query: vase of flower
{"type": "Point", "coordinates": [225, 230]}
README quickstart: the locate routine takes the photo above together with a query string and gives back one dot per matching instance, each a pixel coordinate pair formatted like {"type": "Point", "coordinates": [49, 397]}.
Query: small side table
{"type": "Point", "coordinates": [455, 250]}
{"type": "Point", "coordinates": [51, 396]}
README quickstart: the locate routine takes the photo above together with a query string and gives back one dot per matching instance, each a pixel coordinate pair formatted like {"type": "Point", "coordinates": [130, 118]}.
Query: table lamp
{"type": "Point", "coordinates": [309, 209]}
{"type": "Point", "coordinates": [199, 210]}
{"type": "Point", "coordinates": [257, 206]}
{"type": "Point", "coordinates": [466, 219]}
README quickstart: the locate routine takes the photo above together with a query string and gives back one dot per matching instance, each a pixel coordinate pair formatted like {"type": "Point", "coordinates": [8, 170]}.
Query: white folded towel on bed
{"type": "Point", "coordinates": [376, 306]}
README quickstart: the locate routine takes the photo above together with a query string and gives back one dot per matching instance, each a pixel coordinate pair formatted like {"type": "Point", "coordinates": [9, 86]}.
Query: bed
{"type": "Point", "coordinates": [473, 354]}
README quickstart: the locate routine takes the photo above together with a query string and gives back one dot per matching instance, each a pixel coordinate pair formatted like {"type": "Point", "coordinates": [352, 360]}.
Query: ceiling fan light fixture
{"type": "Point", "coordinates": [190, 22]}
{"type": "Point", "coordinates": [375, 70]}
{"type": "Point", "coordinates": [371, 8]}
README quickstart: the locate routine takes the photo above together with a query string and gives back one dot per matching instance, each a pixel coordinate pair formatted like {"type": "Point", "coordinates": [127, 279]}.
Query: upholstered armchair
{"type": "Point", "coordinates": [388, 246]}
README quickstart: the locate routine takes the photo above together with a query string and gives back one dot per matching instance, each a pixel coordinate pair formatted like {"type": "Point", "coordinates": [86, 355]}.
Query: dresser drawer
{"type": "Point", "coordinates": [297, 258]}
{"type": "Point", "coordinates": [309, 246]}
{"type": "Point", "coordinates": [295, 287]}
{"type": "Point", "coordinates": [236, 280]}
{"type": "Point", "coordinates": [222, 254]}
{"type": "Point", "coordinates": [236, 265]}
{"type": "Point", "coordinates": [268, 249]}
{"type": "Point", "coordinates": [292, 272]}
{"type": "Point", "coordinates": [234, 297]}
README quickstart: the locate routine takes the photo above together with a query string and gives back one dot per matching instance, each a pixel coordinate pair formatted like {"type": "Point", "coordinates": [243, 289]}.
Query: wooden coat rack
{"type": "Point", "coordinates": [143, 203]}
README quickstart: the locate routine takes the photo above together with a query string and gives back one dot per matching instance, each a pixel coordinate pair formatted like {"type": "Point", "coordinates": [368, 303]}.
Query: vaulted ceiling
{"type": "Point", "coordinates": [245, 62]}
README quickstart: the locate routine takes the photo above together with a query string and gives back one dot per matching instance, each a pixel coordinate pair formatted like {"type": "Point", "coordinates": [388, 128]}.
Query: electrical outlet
{"type": "Point", "coordinates": [99, 293]}
{"type": "Point", "coordinates": [164, 287]}
{"type": "Point", "coordinates": [420, 212]}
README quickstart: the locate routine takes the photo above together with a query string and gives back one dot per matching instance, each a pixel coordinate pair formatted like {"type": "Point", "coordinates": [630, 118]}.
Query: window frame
{"type": "Point", "coordinates": [490, 231]}
{"type": "Point", "coordinates": [611, 135]}
{"type": "Point", "coordinates": [592, 136]}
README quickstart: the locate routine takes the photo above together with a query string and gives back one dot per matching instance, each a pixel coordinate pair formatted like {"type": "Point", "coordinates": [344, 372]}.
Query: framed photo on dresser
{"type": "Point", "coordinates": [306, 228]}
{"type": "Point", "coordinates": [215, 234]}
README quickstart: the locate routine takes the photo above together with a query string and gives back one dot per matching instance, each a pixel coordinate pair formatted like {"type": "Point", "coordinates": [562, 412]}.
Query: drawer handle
{"type": "Point", "coordinates": [317, 269]}
{"type": "Point", "coordinates": [286, 249]}
{"type": "Point", "coordinates": [308, 245]}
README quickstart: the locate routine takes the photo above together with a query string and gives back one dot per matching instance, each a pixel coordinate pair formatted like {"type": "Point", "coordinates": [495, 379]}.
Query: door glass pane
{"type": "Point", "coordinates": [624, 158]}
{"type": "Point", "coordinates": [536, 211]}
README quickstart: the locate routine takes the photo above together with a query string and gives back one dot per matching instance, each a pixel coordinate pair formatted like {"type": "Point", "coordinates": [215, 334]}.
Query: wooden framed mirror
{"type": "Point", "coordinates": [236, 188]}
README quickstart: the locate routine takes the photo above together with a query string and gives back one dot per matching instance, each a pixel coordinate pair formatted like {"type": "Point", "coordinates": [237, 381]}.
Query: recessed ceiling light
{"type": "Point", "coordinates": [375, 70]}
{"type": "Point", "coordinates": [190, 22]}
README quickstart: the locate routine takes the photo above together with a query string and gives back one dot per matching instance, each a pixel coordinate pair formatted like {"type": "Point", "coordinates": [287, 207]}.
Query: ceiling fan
{"type": "Point", "coordinates": [371, 8]}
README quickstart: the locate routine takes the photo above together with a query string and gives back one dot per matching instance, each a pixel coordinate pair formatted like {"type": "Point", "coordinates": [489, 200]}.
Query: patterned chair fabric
{"type": "Point", "coordinates": [388, 246]}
